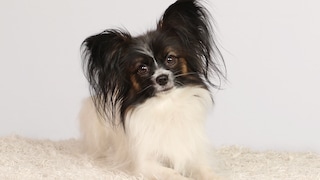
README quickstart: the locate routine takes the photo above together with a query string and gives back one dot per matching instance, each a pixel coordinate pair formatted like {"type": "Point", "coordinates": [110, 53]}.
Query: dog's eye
{"type": "Point", "coordinates": [171, 60]}
{"type": "Point", "coordinates": [143, 70]}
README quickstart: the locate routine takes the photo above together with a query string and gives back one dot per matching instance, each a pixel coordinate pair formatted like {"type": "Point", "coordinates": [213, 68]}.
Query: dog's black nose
{"type": "Point", "coordinates": [162, 79]}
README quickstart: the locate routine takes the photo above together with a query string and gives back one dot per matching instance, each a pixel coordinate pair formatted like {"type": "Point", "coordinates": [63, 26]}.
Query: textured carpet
{"type": "Point", "coordinates": [22, 158]}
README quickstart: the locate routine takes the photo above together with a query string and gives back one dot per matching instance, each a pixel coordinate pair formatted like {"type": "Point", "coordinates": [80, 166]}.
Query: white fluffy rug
{"type": "Point", "coordinates": [22, 158]}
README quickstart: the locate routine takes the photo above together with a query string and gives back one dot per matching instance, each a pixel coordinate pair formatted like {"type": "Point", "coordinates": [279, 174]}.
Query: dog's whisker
{"type": "Point", "coordinates": [144, 89]}
{"type": "Point", "coordinates": [179, 83]}
{"type": "Point", "coordinates": [185, 74]}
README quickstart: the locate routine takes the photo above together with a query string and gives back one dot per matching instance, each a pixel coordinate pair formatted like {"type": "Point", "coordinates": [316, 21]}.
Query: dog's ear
{"type": "Point", "coordinates": [101, 52]}
{"type": "Point", "coordinates": [187, 17]}
{"type": "Point", "coordinates": [101, 56]}
{"type": "Point", "coordinates": [191, 23]}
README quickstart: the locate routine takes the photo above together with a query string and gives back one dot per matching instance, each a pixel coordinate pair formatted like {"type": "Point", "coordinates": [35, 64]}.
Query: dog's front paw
{"type": "Point", "coordinates": [155, 171]}
{"type": "Point", "coordinates": [171, 177]}
{"type": "Point", "coordinates": [210, 176]}
{"type": "Point", "coordinates": [206, 174]}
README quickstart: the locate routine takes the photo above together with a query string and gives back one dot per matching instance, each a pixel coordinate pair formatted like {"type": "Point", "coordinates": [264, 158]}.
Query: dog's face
{"type": "Point", "coordinates": [149, 74]}
{"type": "Point", "coordinates": [158, 64]}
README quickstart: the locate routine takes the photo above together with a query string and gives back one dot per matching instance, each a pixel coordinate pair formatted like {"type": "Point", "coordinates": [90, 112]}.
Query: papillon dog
{"type": "Point", "coordinates": [150, 95]}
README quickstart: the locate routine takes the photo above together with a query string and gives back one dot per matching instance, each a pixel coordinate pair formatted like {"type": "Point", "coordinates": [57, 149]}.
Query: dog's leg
{"type": "Point", "coordinates": [204, 173]}
{"type": "Point", "coordinates": [155, 171]}
{"type": "Point", "coordinates": [93, 130]}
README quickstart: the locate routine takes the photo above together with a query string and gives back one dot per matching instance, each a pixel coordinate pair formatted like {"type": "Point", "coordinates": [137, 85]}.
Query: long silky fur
{"type": "Point", "coordinates": [193, 26]}
{"type": "Point", "coordinates": [158, 134]}
{"type": "Point", "coordinates": [103, 67]}
{"type": "Point", "coordinates": [104, 63]}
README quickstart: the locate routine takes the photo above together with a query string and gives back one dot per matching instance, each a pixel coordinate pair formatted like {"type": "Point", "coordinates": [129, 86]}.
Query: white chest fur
{"type": "Point", "coordinates": [169, 128]}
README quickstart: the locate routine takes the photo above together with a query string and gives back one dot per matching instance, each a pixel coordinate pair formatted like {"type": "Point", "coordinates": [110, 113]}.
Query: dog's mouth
{"type": "Point", "coordinates": [166, 89]}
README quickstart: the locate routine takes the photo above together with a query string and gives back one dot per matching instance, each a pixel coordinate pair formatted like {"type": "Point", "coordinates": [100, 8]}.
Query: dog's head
{"type": "Point", "coordinates": [124, 71]}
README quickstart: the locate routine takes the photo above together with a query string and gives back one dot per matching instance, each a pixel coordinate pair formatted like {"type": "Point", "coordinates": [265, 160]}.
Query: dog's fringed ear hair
{"type": "Point", "coordinates": [101, 56]}
{"type": "Point", "coordinates": [191, 22]}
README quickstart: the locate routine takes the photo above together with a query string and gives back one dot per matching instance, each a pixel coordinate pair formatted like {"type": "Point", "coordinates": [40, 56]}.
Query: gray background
{"type": "Point", "coordinates": [271, 49]}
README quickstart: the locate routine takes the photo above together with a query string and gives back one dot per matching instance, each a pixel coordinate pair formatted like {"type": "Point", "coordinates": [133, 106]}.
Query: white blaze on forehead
{"type": "Point", "coordinates": [146, 50]}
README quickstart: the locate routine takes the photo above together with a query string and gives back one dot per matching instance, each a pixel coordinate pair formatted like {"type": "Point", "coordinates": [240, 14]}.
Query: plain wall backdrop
{"type": "Point", "coordinates": [271, 48]}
